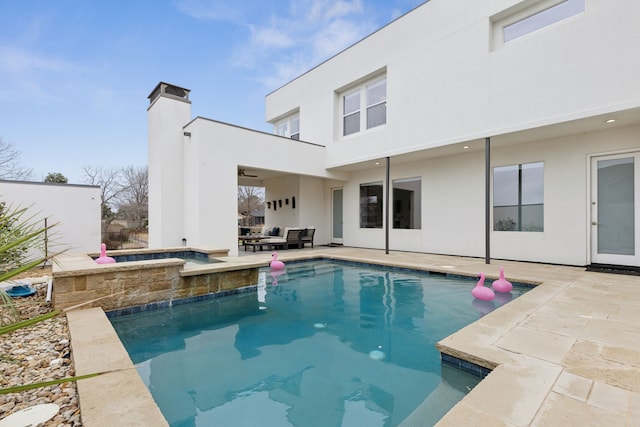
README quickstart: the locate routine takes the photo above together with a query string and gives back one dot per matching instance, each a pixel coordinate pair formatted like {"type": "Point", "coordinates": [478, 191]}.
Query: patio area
{"type": "Point", "coordinates": [565, 353]}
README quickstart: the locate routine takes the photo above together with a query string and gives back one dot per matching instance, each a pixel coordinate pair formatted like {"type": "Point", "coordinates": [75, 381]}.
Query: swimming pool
{"type": "Point", "coordinates": [192, 256]}
{"type": "Point", "coordinates": [324, 344]}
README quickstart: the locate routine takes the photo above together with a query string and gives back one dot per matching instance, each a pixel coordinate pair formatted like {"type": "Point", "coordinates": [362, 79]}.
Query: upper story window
{"type": "Point", "coordinates": [543, 19]}
{"type": "Point", "coordinates": [519, 21]}
{"type": "Point", "coordinates": [351, 113]}
{"type": "Point", "coordinates": [282, 129]}
{"type": "Point", "coordinates": [295, 127]}
{"type": "Point", "coordinates": [289, 127]}
{"type": "Point", "coordinates": [364, 107]}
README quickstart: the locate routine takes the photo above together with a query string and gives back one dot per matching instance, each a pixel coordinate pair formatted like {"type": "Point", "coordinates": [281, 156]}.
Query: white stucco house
{"type": "Point", "coordinates": [506, 129]}
{"type": "Point", "coordinates": [73, 210]}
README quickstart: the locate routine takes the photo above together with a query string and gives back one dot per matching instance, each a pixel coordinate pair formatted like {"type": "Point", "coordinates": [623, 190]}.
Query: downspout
{"type": "Point", "coordinates": [487, 200]}
{"type": "Point", "coordinates": [386, 220]}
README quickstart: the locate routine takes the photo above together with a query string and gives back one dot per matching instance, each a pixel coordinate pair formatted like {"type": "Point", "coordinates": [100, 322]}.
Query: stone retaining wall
{"type": "Point", "coordinates": [80, 282]}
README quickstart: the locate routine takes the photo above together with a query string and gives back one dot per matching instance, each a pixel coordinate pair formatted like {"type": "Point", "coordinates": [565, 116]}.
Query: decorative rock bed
{"type": "Point", "coordinates": [38, 353]}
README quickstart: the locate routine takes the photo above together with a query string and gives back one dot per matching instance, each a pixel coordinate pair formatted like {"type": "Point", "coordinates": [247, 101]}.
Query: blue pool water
{"type": "Point", "coordinates": [190, 256]}
{"type": "Point", "coordinates": [323, 344]}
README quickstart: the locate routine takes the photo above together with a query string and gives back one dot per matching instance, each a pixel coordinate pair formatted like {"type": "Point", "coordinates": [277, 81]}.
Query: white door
{"type": "Point", "coordinates": [336, 218]}
{"type": "Point", "coordinates": [615, 209]}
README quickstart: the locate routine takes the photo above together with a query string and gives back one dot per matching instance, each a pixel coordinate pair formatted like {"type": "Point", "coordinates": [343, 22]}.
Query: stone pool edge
{"type": "Point", "coordinates": [119, 393]}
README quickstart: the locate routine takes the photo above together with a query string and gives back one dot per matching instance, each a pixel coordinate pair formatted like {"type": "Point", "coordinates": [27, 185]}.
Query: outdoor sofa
{"type": "Point", "coordinates": [285, 238]}
{"type": "Point", "coordinates": [291, 237]}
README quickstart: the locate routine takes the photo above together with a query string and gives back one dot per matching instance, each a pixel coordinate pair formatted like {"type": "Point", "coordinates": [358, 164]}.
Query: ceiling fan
{"type": "Point", "coordinates": [242, 172]}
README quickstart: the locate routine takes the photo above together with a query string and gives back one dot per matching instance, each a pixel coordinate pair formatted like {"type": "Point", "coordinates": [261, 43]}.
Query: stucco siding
{"type": "Point", "coordinates": [75, 209]}
{"type": "Point", "coordinates": [166, 117]}
{"type": "Point", "coordinates": [447, 83]}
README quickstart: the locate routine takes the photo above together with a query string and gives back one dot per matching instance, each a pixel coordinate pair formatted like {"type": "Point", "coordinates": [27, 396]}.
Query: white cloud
{"type": "Point", "coordinates": [16, 61]}
{"type": "Point", "coordinates": [29, 75]}
{"type": "Point", "coordinates": [307, 33]}
{"type": "Point", "coordinates": [217, 10]}
{"type": "Point", "coordinates": [336, 36]}
{"type": "Point", "coordinates": [271, 38]}
{"type": "Point", "coordinates": [326, 10]}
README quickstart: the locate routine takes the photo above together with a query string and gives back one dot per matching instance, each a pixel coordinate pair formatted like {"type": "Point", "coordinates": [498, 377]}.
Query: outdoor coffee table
{"type": "Point", "coordinates": [253, 244]}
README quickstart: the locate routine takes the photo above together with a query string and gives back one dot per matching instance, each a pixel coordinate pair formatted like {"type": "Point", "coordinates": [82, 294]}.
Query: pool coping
{"type": "Point", "coordinates": [118, 393]}
{"type": "Point", "coordinates": [540, 383]}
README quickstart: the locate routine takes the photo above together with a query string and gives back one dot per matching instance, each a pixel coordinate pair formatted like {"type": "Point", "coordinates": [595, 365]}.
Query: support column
{"type": "Point", "coordinates": [386, 221]}
{"type": "Point", "coordinates": [487, 200]}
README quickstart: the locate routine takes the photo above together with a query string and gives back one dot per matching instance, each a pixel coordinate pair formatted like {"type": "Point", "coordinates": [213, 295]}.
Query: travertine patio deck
{"type": "Point", "coordinates": [566, 353]}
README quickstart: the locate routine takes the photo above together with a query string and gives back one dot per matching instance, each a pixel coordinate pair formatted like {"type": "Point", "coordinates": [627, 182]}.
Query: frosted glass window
{"type": "Point", "coordinates": [616, 204]}
{"type": "Point", "coordinates": [544, 18]}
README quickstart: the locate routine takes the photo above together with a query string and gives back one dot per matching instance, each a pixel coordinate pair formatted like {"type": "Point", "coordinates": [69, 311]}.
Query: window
{"type": "Point", "coordinates": [371, 205]}
{"type": "Point", "coordinates": [376, 104]}
{"type": "Point", "coordinates": [370, 98]}
{"type": "Point", "coordinates": [534, 19]}
{"type": "Point", "coordinates": [518, 198]}
{"type": "Point", "coordinates": [282, 129]}
{"type": "Point", "coordinates": [295, 127]}
{"type": "Point", "coordinates": [289, 127]}
{"type": "Point", "coordinates": [407, 202]}
{"type": "Point", "coordinates": [351, 115]}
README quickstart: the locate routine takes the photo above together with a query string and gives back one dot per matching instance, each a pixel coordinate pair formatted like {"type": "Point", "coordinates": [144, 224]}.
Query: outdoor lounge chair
{"type": "Point", "coordinates": [307, 236]}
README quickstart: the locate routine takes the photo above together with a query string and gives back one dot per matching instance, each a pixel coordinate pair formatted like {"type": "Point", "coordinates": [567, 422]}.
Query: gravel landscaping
{"type": "Point", "coordinates": [37, 353]}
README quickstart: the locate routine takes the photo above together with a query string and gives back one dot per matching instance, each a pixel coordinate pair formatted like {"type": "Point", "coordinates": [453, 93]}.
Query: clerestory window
{"type": "Point", "coordinates": [542, 19]}
{"type": "Point", "coordinates": [528, 17]}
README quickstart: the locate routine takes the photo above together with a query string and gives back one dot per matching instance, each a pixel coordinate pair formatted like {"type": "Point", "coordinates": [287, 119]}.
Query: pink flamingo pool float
{"type": "Point", "coordinates": [502, 285]}
{"type": "Point", "coordinates": [104, 259]}
{"type": "Point", "coordinates": [482, 292]}
{"type": "Point", "coordinates": [275, 263]}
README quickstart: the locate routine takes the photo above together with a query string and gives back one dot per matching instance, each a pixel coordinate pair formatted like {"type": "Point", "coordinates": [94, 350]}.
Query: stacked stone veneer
{"type": "Point", "coordinates": [115, 286]}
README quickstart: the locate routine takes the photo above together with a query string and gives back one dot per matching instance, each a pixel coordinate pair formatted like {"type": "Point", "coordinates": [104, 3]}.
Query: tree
{"type": "Point", "coordinates": [250, 199]}
{"type": "Point", "coordinates": [108, 179]}
{"type": "Point", "coordinates": [124, 194]}
{"type": "Point", "coordinates": [10, 163]}
{"type": "Point", "coordinates": [56, 177]}
{"type": "Point", "coordinates": [133, 199]}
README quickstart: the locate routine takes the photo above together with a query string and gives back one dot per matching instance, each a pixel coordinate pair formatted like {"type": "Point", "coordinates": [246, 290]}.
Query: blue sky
{"type": "Point", "coordinates": [75, 74]}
